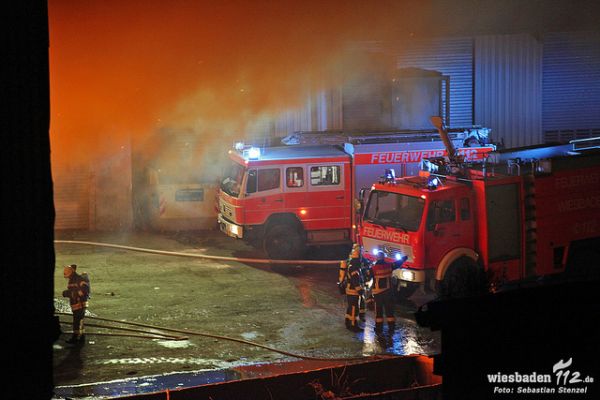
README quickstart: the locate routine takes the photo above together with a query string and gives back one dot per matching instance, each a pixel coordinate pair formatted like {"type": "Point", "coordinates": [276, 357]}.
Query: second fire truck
{"type": "Point", "coordinates": [283, 199]}
{"type": "Point", "coordinates": [520, 215]}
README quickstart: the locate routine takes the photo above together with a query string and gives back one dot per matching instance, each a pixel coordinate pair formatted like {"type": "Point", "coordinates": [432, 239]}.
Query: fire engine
{"type": "Point", "coordinates": [285, 198]}
{"type": "Point", "coordinates": [519, 215]}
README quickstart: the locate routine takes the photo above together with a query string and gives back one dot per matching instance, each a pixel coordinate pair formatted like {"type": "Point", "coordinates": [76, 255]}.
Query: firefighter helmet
{"type": "Point", "coordinates": [68, 270]}
{"type": "Point", "coordinates": [355, 252]}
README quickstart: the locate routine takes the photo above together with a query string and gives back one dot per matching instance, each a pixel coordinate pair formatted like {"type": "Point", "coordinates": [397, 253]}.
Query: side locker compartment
{"type": "Point", "coordinates": [504, 230]}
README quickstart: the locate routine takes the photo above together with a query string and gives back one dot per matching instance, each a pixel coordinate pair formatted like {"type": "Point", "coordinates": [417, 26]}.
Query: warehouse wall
{"type": "Point", "coordinates": [571, 85]}
{"type": "Point", "coordinates": [508, 87]}
{"type": "Point", "coordinates": [527, 89]}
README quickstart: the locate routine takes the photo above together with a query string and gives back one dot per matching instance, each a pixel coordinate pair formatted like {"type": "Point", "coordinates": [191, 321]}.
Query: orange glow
{"type": "Point", "coordinates": [303, 212]}
{"type": "Point", "coordinates": [120, 70]}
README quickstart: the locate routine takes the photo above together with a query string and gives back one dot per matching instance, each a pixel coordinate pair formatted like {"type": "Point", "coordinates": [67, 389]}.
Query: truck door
{"type": "Point", "coordinates": [295, 188]}
{"type": "Point", "coordinates": [464, 234]}
{"type": "Point", "coordinates": [263, 193]}
{"type": "Point", "coordinates": [449, 225]}
{"type": "Point", "coordinates": [328, 204]}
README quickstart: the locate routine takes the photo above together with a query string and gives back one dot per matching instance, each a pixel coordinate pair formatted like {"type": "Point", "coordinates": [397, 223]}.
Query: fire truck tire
{"type": "Point", "coordinates": [463, 278]}
{"type": "Point", "coordinates": [402, 293]}
{"type": "Point", "coordinates": [283, 242]}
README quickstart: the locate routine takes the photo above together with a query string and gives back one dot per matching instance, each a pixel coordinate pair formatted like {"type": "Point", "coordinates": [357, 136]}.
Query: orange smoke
{"type": "Point", "coordinates": [122, 69]}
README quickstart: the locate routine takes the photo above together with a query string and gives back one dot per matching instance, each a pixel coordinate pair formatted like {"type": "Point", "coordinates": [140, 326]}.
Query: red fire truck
{"type": "Point", "coordinates": [285, 198]}
{"type": "Point", "coordinates": [521, 214]}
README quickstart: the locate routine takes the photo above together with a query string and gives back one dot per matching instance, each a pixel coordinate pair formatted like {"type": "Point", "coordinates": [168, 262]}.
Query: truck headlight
{"type": "Point", "coordinates": [407, 275]}
{"type": "Point", "coordinates": [235, 229]}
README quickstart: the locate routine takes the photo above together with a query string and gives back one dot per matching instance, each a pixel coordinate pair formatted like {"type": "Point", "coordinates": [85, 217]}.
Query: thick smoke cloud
{"type": "Point", "coordinates": [123, 69]}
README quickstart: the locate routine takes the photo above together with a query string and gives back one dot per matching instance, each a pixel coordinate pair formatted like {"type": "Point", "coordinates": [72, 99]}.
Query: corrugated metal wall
{"type": "Point", "coordinates": [571, 94]}
{"type": "Point", "coordinates": [328, 110]}
{"type": "Point", "coordinates": [452, 57]}
{"type": "Point", "coordinates": [72, 198]}
{"type": "Point", "coordinates": [321, 111]}
{"type": "Point", "coordinates": [508, 87]}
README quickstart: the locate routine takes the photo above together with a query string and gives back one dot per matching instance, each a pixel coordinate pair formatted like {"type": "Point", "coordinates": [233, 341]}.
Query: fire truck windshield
{"type": "Point", "coordinates": [395, 210]}
{"type": "Point", "coordinates": [232, 181]}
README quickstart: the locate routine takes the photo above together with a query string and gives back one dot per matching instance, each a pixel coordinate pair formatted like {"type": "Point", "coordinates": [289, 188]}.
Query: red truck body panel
{"type": "Point", "coordinates": [519, 219]}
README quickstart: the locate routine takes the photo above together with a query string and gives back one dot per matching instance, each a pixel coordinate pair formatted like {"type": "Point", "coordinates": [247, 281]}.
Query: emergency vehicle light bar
{"type": "Point", "coordinates": [253, 153]}
{"type": "Point", "coordinates": [249, 152]}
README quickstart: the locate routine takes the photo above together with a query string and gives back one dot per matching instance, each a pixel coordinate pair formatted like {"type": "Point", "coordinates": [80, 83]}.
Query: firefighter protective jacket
{"type": "Point", "coordinates": [350, 272]}
{"type": "Point", "coordinates": [78, 292]}
{"type": "Point", "coordinates": [382, 276]}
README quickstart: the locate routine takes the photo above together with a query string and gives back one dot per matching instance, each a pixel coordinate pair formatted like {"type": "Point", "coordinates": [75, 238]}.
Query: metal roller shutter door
{"type": "Point", "coordinates": [571, 85]}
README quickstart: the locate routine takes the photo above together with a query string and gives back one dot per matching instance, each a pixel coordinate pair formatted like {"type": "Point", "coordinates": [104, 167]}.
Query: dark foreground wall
{"type": "Point", "coordinates": [26, 209]}
{"type": "Point", "coordinates": [393, 378]}
{"type": "Point", "coordinates": [519, 335]}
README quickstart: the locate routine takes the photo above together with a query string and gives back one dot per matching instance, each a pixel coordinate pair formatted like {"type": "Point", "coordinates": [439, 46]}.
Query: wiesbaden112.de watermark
{"type": "Point", "coordinates": [565, 379]}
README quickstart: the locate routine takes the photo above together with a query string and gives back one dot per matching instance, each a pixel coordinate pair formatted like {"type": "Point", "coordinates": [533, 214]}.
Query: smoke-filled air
{"type": "Point", "coordinates": [121, 72]}
{"type": "Point", "coordinates": [124, 72]}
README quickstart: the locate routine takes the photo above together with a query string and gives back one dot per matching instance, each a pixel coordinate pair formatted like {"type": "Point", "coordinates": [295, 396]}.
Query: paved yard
{"type": "Point", "coordinates": [293, 308]}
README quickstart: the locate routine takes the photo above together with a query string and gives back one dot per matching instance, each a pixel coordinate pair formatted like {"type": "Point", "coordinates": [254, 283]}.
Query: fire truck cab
{"type": "Point", "coordinates": [274, 197]}
{"type": "Point", "coordinates": [285, 198]}
{"type": "Point", "coordinates": [521, 215]}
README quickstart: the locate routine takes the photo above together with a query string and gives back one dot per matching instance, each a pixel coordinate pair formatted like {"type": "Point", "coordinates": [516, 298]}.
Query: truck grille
{"type": "Point", "coordinates": [391, 252]}
{"type": "Point", "coordinates": [228, 211]}
{"type": "Point", "coordinates": [389, 249]}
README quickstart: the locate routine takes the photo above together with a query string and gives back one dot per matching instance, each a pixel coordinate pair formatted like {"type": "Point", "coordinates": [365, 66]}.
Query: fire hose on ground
{"type": "Point", "coordinates": [205, 256]}
{"type": "Point", "coordinates": [204, 334]}
{"type": "Point", "coordinates": [164, 336]}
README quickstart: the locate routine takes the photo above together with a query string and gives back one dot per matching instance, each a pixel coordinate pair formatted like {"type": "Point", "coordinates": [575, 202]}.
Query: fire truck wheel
{"type": "Point", "coordinates": [463, 278]}
{"type": "Point", "coordinates": [283, 242]}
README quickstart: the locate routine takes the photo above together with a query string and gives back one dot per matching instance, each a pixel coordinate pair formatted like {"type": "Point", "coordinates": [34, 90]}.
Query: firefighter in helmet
{"type": "Point", "coordinates": [78, 290]}
{"type": "Point", "coordinates": [382, 293]}
{"type": "Point", "coordinates": [351, 284]}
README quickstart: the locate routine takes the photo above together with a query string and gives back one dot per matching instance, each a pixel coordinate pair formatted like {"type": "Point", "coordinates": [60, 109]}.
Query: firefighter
{"type": "Point", "coordinates": [350, 280]}
{"type": "Point", "coordinates": [366, 300]}
{"type": "Point", "coordinates": [78, 290]}
{"type": "Point", "coordinates": [382, 293]}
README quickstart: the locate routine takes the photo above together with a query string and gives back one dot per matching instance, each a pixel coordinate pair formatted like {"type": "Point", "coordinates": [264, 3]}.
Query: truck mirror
{"type": "Point", "coordinates": [362, 194]}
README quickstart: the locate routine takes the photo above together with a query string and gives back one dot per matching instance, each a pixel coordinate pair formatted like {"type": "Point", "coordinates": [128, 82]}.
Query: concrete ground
{"type": "Point", "coordinates": [293, 308]}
